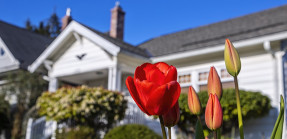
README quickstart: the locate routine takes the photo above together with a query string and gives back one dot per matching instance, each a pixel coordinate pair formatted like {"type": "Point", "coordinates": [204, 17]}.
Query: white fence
{"type": "Point", "coordinates": [40, 128]}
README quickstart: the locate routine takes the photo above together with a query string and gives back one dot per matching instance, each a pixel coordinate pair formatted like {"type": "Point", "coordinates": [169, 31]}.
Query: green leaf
{"type": "Point", "coordinates": [278, 128]}
{"type": "Point", "coordinates": [199, 131]}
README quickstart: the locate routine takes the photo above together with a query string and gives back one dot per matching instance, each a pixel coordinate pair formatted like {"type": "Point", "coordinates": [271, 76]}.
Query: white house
{"type": "Point", "coordinates": [82, 55]}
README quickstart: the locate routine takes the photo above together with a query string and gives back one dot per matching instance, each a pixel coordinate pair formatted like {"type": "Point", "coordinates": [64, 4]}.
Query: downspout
{"type": "Point", "coordinates": [268, 49]}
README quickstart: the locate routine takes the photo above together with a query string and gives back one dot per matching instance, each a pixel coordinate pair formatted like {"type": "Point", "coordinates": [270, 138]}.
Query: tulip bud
{"type": "Point", "coordinates": [193, 102]}
{"type": "Point", "coordinates": [232, 59]}
{"type": "Point", "coordinates": [213, 113]}
{"type": "Point", "coordinates": [214, 85]}
{"type": "Point", "coordinates": [171, 118]}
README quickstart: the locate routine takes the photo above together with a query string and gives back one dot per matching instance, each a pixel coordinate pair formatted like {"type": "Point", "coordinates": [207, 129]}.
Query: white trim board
{"type": "Point", "coordinates": [218, 48]}
{"type": "Point", "coordinates": [70, 30]}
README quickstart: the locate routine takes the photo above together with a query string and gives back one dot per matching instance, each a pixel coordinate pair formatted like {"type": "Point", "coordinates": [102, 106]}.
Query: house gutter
{"type": "Point", "coordinates": [218, 48]}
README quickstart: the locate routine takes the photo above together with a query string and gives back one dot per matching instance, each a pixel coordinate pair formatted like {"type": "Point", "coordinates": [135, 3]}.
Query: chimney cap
{"type": "Point", "coordinates": [117, 3]}
{"type": "Point", "coordinates": [68, 12]}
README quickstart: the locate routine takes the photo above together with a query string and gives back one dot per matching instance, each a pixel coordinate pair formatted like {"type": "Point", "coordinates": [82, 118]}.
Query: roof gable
{"type": "Point", "coordinates": [24, 45]}
{"type": "Point", "coordinates": [110, 45]}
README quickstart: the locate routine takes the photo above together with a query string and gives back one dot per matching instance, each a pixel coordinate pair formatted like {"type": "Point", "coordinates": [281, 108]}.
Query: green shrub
{"type": "Point", "coordinates": [253, 104]}
{"type": "Point", "coordinates": [80, 132]}
{"type": "Point", "coordinates": [131, 131]}
{"type": "Point", "coordinates": [94, 107]}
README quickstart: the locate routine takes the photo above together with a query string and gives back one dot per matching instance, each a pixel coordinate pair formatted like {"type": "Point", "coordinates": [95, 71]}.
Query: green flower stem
{"type": "Point", "coordinates": [215, 134]}
{"type": "Point", "coordinates": [279, 122]}
{"type": "Point", "coordinates": [162, 127]}
{"type": "Point", "coordinates": [169, 132]}
{"type": "Point", "coordinates": [218, 133]}
{"type": "Point", "coordinates": [240, 122]}
{"type": "Point", "coordinates": [198, 118]}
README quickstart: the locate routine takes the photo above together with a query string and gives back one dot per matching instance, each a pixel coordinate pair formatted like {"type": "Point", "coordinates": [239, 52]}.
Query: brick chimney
{"type": "Point", "coordinates": [117, 22]}
{"type": "Point", "coordinates": [66, 19]}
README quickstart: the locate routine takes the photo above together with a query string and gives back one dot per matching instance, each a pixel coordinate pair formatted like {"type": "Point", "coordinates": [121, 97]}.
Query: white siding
{"type": "Point", "coordinates": [257, 73]}
{"type": "Point", "coordinates": [68, 63]}
{"type": "Point", "coordinates": [6, 62]}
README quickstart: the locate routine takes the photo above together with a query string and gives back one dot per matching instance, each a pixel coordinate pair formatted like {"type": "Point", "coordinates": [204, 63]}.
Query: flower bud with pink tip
{"type": "Point", "coordinates": [232, 59]}
{"type": "Point", "coordinates": [214, 85]}
{"type": "Point", "coordinates": [213, 113]}
{"type": "Point", "coordinates": [193, 102]}
{"type": "Point", "coordinates": [171, 118]}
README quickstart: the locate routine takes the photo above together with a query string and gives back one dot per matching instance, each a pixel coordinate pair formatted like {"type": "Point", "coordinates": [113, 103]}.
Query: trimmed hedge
{"type": "Point", "coordinates": [80, 132]}
{"type": "Point", "coordinates": [131, 131]}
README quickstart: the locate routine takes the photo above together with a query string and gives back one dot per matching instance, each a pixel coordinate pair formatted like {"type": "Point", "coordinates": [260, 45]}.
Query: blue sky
{"type": "Point", "coordinates": [145, 19]}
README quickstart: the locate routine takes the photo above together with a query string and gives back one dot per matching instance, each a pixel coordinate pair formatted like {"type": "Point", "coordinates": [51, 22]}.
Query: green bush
{"type": "Point", "coordinates": [80, 132]}
{"type": "Point", "coordinates": [131, 131]}
{"type": "Point", "coordinates": [93, 107]}
{"type": "Point", "coordinates": [253, 104]}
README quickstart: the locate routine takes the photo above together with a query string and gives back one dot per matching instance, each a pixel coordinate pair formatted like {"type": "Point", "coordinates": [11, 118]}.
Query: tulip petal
{"type": "Point", "coordinates": [163, 98]}
{"type": "Point", "coordinates": [141, 71]}
{"type": "Point", "coordinates": [209, 112]}
{"type": "Point", "coordinates": [149, 72]}
{"type": "Point", "coordinates": [217, 113]}
{"type": "Point", "coordinates": [163, 67]}
{"type": "Point", "coordinates": [171, 74]}
{"type": "Point", "coordinates": [135, 95]}
{"type": "Point", "coordinates": [144, 89]}
{"type": "Point", "coordinates": [156, 76]}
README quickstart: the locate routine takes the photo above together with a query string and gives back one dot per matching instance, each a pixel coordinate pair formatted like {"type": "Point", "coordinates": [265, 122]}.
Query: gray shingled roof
{"type": "Point", "coordinates": [123, 45]}
{"type": "Point", "coordinates": [249, 26]}
{"type": "Point", "coordinates": [25, 45]}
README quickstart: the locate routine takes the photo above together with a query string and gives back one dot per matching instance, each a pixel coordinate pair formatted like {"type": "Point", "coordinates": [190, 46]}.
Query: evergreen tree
{"type": "Point", "coordinates": [52, 28]}
{"type": "Point", "coordinates": [28, 25]}
{"type": "Point", "coordinates": [54, 25]}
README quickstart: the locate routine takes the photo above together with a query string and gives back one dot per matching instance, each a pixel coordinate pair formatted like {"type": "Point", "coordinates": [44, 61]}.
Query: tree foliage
{"type": "Point", "coordinates": [253, 104]}
{"type": "Point", "coordinates": [50, 28]}
{"type": "Point", "coordinates": [26, 88]}
{"type": "Point", "coordinates": [4, 113]}
{"type": "Point", "coordinates": [131, 131]}
{"type": "Point", "coordinates": [93, 107]}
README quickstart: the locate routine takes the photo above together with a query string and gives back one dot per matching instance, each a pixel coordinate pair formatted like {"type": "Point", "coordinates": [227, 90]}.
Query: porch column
{"type": "Point", "coordinates": [112, 79]}
{"type": "Point", "coordinates": [194, 80]}
{"type": "Point", "coordinates": [53, 84]}
{"type": "Point", "coordinates": [119, 80]}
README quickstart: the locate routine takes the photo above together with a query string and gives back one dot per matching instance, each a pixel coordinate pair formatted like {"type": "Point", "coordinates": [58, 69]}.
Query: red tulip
{"type": "Point", "coordinates": [154, 88]}
{"type": "Point", "coordinates": [214, 85]}
{"type": "Point", "coordinates": [193, 102]}
{"type": "Point", "coordinates": [171, 118]}
{"type": "Point", "coordinates": [213, 112]}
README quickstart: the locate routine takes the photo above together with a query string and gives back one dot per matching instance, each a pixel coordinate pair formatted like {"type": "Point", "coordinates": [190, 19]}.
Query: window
{"type": "Point", "coordinates": [203, 76]}
{"type": "Point", "coordinates": [224, 74]}
{"type": "Point", "coordinates": [2, 52]}
{"type": "Point", "coordinates": [184, 78]}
